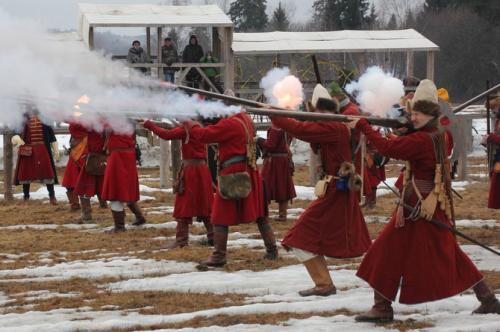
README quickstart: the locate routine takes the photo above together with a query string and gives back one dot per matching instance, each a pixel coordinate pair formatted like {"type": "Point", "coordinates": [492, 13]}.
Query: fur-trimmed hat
{"type": "Point", "coordinates": [425, 99]}
{"type": "Point", "coordinates": [322, 99]}
{"type": "Point", "coordinates": [494, 100]}
{"type": "Point", "coordinates": [410, 83]}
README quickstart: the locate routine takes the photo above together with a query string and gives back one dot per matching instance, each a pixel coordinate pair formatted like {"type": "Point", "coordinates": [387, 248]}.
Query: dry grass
{"type": "Point", "coordinates": [137, 242]}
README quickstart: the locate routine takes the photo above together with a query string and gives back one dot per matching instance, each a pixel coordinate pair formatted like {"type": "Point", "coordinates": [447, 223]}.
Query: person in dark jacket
{"type": "Point", "coordinates": [211, 72]}
{"type": "Point", "coordinates": [136, 54]}
{"type": "Point", "coordinates": [193, 53]}
{"type": "Point", "coordinates": [169, 56]}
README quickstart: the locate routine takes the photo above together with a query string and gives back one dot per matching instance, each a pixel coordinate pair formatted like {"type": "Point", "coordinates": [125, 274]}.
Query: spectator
{"type": "Point", "coordinates": [169, 56]}
{"type": "Point", "coordinates": [192, 54]}
{"type": "Point", "coordinates": [211, 72]}
{"type": "Point", "coordinates": [136, 54]}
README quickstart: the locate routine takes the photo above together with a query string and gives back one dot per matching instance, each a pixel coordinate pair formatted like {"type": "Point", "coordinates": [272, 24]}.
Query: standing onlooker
{"type": "Point", "coordinates": [211, 72]}
{"type": "Point", "coordinates": [493, 141]}
{"type": "Point", "coordinates": [36, 144]}
{"type": "Point", "coordinates": [192, 54]}
{"type": "Point", "coordinates": [169, 56]}
{"type": "Point", "coordinates": [136, 54]}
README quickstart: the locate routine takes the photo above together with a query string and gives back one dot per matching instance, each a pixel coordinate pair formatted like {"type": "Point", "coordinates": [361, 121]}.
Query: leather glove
{"type": "Point", "coordinates": [55, 151]}
{"type": "Point", "coordinates": [17, 140]}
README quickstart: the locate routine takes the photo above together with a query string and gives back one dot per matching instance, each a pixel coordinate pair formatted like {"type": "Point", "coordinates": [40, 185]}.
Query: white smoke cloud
{"type": "Point", "coordinates": [282, 89]}
{"type": "Point", "coordinates": [376, 91]}
{"type": "Point", "coordinates": [52, 71]}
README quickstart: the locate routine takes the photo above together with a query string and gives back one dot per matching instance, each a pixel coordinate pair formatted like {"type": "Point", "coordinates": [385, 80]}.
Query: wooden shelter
{"type": "Point", "coordinates": [360, 43]}
{"type": "Point", "coordinates": [157, 17]}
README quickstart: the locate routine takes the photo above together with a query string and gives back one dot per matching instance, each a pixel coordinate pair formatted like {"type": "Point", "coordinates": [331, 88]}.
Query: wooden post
{"type": "Point", "coordinates": [430, 65]}
{"type": "Point", "coordinates": [465, 131]}
{"type": "Point", "coordinates": [228, 58]}
{"type": "Point", "coordinates": [293, 64]}
{"type": "Point", "coordinates": [148, 42]}
{"type": "Point", "coordinates": [7, 167]}
{"type": "Point", "coordinates": [164, 163]}
{"type": "Point", "coordinates": [158, 52]}
{"type": "Point", "coordinates": [91, 38]}
{"type": "Point", "coordinates": [409, 63]}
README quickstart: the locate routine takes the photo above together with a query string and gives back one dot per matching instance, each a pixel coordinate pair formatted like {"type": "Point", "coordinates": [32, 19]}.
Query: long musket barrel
{"type": "Point", "coordinates": [393, 123]}
{"type": "Point", "coordinates": [476, 98]}
{"type": "Point", "coordinates": [263, 109]}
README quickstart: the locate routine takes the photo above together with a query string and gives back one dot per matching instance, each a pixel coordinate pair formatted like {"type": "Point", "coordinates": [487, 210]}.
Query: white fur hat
{"type": "Point", "coordinates": [426, 99]}
{"type": "Point", "coordinates": [319, 92]}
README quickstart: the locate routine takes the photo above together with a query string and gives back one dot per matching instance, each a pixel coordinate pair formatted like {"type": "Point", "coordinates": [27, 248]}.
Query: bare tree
{"type": "Point", "coordinates": [399, 10]}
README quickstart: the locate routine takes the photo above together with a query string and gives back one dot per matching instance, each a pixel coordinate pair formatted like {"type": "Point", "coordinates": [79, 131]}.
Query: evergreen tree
{"type": "Point", "coordinates": [280, 21]}
{"type": "Point", "coordinates": [341, 14]}
{"type": "Point", "coordinates": [249, 15]}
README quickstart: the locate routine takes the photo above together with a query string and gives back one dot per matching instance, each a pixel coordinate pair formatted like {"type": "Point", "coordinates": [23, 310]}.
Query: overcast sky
{"type": "Point", "coordinates": [62, 14]}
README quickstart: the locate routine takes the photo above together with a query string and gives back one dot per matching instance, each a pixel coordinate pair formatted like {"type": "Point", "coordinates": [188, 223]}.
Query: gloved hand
{"type": "Point", "coordinates": [55, 151]}
{"type": "Point", "coordinates": [17, 140]}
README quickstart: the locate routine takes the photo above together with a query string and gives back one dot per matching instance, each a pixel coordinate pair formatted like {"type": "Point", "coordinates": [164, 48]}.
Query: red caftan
{"type": "Point", "coordinates": [39, 167]}
{"type": "Point", "coordinates": [423, 259]}
{"type": "Point", "coordinates": [121, 182]}
{"type": "Point", "coordinates": [231, 137]}
{"type": "Point", "coordinates": [333, 225]}
{"type": "Point", "coordinates": [197, 198]}
{"type": "Point", "coordinates": [494, 196]}
{"type": "Point", "coordinates": [353, 109]}
{"type": "Point", "coordinates": [277, 171]}
{"type": "Point", "coordinates": [72, 171]}
{"type": "Point", "coordinates": [90, 185]}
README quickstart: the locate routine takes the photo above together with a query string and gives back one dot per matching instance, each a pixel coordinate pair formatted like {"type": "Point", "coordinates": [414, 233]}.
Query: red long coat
{"type": "Point", "coordinates": [424, 259]}
{"type": "Point", "coordinates": [197, 199]}
{"type": "Point", "coordinates": [333, 225]}
{"type": "Point", "coordinates": [89, 185]}
{"type": "Point", "coordinates": [353, 109]}
{"type": "Point", "coordinates": [40, 166]}
{"type": "Point", "coordinates": [72, 171]}
{"type": "Point", "coordinates": [277, 171]}
{"type": "Point", "coordinates": [121, 182]}
{"type": "Point", "coordinates": [231, 138]}
{"type": "Point", "coordinates": [494, 196]}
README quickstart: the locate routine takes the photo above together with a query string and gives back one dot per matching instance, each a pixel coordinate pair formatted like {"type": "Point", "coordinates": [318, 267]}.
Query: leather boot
{"type": "Point", "coordinates": [119, 219]}
{"type": "Point", "coordinates": [489, 302]}
{"type": "Point", "coordinates": [73, 200]}
{"type": "Point", "coordinates": [52, 200]}
{"type": "Point", "coordinates": [136, 210]}
{"type": "Point", "coordinates": [380, 312]}
{"type": "Point", "coordinates": [318, 270]}
{"type": "Point", "coordinates": [86, 209]}
{"type": "Point", "coordinates": [210, 231]}
{"type": "Point", "coordinates": [282, 211]}
{"type": "Point", "coordinates": [218, 257]}
{"type": "Point", "coordinates": [267, 234]}
{"type": "Point", "coordinates": [181, 234]}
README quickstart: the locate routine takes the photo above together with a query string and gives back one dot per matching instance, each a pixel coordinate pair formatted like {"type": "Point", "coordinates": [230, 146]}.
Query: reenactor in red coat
{"type": "Point", "coordinates": [278, 169]}
{"type": "Point", "coordinates": [35, 162]}
{"type": "Point", "coordinates": [77, 149]}
{"type": "Point", "coordinates": [193, 190]}
{"type": "Point", "coordinates": [333, 225]}
{"type": "Point", "coordinates": [90, 184]}
{"type": "Point", "coordinates": [493, 141]}
{"type": "Point", "coordinates": [240, 195]}
{"type": "Point", "coordinates": [121, 182]}
{"type": "Point", "coordinates": [410, 253]}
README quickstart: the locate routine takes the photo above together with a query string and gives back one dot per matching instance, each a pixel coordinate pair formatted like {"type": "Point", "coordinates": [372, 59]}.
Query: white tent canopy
{"type": "Point", "coordinates": [344, 41]}
{"type": "Point", "coordinates": [145, 15]}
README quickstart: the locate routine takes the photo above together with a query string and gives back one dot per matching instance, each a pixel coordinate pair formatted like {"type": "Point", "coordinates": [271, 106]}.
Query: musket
{"type": "Point", "coordinates": [309, 116]}
{"type": "Point", "coordinates": [488, 128]}
{"type": "Point", "coordinates": [476, 98]}
{"type": "Point", "coordinates": [453, 230]}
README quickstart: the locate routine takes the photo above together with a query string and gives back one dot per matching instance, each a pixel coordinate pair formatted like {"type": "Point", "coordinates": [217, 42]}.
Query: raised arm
{"type": "Point", "coordinates": [176, 133]}
{"type": "Point", "coordinates": [312, 132]}
{"type": "Point", "coordinates": [219, 132]}
{"type": "Point", "coordinates": [409, 147]}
